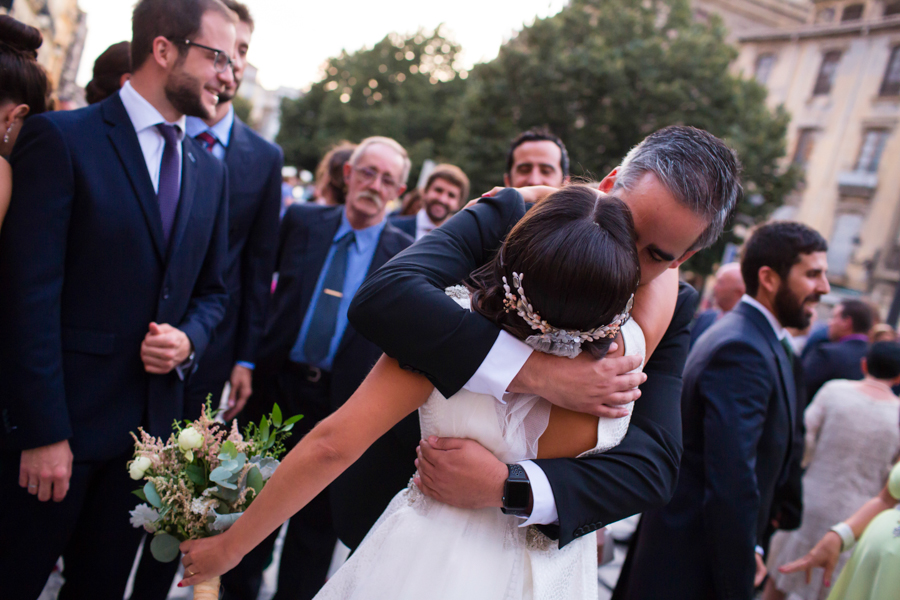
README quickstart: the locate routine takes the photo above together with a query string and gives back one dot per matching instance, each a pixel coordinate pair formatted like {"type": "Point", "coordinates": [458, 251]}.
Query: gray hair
{"type": "Point", "coordinates": [367, 143]}
{"type": "Point", "coordinates": [696, 167]}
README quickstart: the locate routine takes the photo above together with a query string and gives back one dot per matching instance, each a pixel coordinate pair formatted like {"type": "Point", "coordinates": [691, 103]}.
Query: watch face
{"type": "Point", "coordinates": [517, 494]}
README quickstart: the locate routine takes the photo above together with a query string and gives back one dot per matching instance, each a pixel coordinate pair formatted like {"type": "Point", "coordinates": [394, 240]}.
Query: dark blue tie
{"type": "Point", "coordinates": [324, 319]}
{"type": "Point", "coordinates": [169, 188]}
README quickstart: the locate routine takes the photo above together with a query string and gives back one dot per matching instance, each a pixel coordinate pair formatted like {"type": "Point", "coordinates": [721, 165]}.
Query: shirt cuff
{"type": "Point", "coordinates": [759, 549]}
{"type": "Point", "coordinates": [543, 508]}
{"type": "Point", "coordinates": [500, 366]}
{"type": "Point", "coordinates": [247, 365]}
{"type": "Point", "coordinates": [184, 369]}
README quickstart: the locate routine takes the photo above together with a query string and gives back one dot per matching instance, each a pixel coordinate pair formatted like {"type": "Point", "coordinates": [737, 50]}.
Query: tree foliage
{"type": "Point", "coordinates": [404, 87]}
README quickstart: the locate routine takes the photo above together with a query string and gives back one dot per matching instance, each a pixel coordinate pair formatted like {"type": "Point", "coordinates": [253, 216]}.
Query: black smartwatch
{"type": "Point", "coordinates": [516, 492]}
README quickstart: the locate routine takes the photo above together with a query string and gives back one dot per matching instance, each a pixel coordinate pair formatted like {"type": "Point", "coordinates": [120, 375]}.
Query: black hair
{"type": "Point", "coordinates": [108, 70]}
{"type": "Point", "coordinates": [24, 80]}
{"type": "Point", "coordinates": [883, 360]}
{"type": "Point", "coordinates": [171, 19]}
{"type": "Point", "coordinates": [859, 313]}
{"type": "Point", "coordinates": [576, 252]}
{"type": "Point", "coordinates": [538, 134]}
{"type": "Point", "coordinates": [778, 246]}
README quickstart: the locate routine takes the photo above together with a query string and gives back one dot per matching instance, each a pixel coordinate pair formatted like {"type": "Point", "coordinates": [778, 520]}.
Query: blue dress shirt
{"type": "Point", "coordinates": [221, 131]}
{"type": "Point", "coordinates": [359, 259]}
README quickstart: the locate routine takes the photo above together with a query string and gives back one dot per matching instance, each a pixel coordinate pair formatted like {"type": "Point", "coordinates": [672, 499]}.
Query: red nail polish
{"type": "Point", "coordinates": [180, 584]}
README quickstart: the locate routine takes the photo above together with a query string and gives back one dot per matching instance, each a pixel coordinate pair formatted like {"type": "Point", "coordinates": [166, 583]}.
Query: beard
{"type": "Point", "coordinates": [437, 212]}
{"type": "Point", "coordinates": [184, 91]}
{"type": "Point", "coordinates": [228, 94]}
{"type": "Point", "coordinates": [790, 311]}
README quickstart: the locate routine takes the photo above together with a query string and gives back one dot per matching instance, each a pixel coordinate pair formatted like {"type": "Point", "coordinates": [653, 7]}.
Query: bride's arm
{"type": "Point", "coordinates": [387, 395]}
{"type": "Point", "coordinates": [654, 306]}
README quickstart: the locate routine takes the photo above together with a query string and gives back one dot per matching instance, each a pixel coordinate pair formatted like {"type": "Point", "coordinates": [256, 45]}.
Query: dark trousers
{"type": "Point", "coordinates": [90, 529]}
{"type": "Point", "coordinates": [310, 538]}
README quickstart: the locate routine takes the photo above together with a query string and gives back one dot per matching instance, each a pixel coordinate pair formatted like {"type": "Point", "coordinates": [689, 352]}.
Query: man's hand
{"type": "Point", "coordinates": [760, 570]}
{"type": "Point", "coordinates": [825, 554]}
{"type": "Point", "coordinates": [460, 473]}
{"type": "Point", "coordinates": [533, 194]}
{"type": "Point", "coordinates": [164, 348]}
{"type": "Point", "coordinates": [46, 471]}
{"type": "Point", "coordinates": [241, 388]}
{"type": "Point", "coordinates": [583, 384]}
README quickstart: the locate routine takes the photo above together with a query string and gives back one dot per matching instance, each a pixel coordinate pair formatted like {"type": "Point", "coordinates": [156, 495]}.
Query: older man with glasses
{"type": "Point", "coordinates": [310, 360]}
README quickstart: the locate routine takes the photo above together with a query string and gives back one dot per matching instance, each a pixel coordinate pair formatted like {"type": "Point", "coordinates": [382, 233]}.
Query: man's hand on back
{"type": "Point", "coordinates": [583, 384]}
{"type": "Point", "coordinates": [460, 473]}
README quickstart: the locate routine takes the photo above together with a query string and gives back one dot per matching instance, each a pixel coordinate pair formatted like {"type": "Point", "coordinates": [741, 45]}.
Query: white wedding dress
{"type": "Point", "coordinates": [423, 549]}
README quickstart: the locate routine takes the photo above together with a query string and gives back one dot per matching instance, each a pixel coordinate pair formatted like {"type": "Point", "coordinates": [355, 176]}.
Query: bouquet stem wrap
{"type": "Point", "coordinates": [208, 590]}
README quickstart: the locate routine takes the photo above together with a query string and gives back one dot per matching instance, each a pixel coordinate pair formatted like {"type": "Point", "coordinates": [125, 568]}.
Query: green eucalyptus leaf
{"type": "Point", "coordinates": [290, 422]}
{"type": "Point", "coordinates": [229, 496]}
{"type": "Point", "coordinates": [152, 495]}
{"type": "Point", "coordinates": [228, 451]}
{"type": "Point", "coordinates": [264, 429]}
{"type": "Point", "coordinates": [164, 547]}
{"type": "Point", "coordinates": [196, 474]}
{"type": "Point", "coordinates": [255, 479]}
{"type": "Point", "coordinates": [140, 494]}
{"type": "Point", "coordinates": [231, 466]}
{"type": "Point", "coordinates": [276, 416]}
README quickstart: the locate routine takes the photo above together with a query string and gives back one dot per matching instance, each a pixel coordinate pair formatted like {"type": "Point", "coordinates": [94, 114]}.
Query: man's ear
{"type": "Point", "coordinates": [165, 53]}
{"type": "Point", "coordinates": [506, 180]}
{"type": "Point", "coordinates": [400, 190]}
{"type": "Point", "coordinates": [684, 257]}
{"type": "Point", "coordinates": [348, 168]}
{"type": "Point", "coordinates": [769, 280]}
{"type": "Point", "coordinates": [607, 183]}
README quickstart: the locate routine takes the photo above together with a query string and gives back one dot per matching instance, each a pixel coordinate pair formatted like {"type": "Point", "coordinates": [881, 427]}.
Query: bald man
{"type": "Point", "coordinates": [727, 291]}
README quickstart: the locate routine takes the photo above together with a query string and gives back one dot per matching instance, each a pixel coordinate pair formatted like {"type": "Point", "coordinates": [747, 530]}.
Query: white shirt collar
{"type": "Point", "coordinates": [780, 332]}
{"type": "Point", "coordinates": [423, 222]}
{"type": "Point", "coordinates": [221, 130]}
{"type": "Point", "coordinates": [144, 115]}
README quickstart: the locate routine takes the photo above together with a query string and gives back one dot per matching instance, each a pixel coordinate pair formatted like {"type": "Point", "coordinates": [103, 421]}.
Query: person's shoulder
{"type": "Point", "coordinates": [508, 203]}
{"type": "Point", "coordinates": [5, 172]}
{"type": "Point", "coordinates": [396, 236]}
{"type": "Point", "coordinates": [309, 212]}
{"type": "Point", "coordinates": [685, 305]}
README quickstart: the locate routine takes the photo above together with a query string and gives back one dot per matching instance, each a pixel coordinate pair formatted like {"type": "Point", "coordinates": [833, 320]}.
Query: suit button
{"type": "Point", "coordinates": [165, 293]}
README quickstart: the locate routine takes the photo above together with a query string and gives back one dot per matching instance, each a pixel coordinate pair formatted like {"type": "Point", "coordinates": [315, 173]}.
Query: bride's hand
{"type": "Point", "coordinates": [533, 194]}
{"type": "Point", "coordinates": [207, 558]}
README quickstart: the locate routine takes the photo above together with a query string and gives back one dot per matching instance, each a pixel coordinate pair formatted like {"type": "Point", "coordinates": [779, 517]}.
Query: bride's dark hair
{"type": "Point", "coordinates": [576, 252]}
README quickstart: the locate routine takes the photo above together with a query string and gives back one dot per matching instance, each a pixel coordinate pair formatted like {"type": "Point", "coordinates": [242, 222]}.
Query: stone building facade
{"type": "Point", "coordinates": [839, 77]}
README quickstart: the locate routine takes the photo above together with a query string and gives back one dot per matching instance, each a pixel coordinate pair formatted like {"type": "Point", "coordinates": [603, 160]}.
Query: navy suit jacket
{"type": "Point", "coordinates": [740, 416]}
{"type": "Point", "coordinates": [404, 309]}
{"type": "Point", "coordinates": [406, 224]}
{"type": "Point", "coordinates": [702, 323]}
{"type": "Point", "coordinates": [364, 490]}
{"type": "Point", "coordinates": [84, 271]}
{"type": "Point", "coordinates": [833, 360]}
{"type": "Point", "coordinates": [254, 169]}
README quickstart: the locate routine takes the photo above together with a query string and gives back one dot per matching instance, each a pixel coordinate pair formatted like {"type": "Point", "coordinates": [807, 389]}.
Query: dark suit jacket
{"type": "Point", "coordinates": [254, 168]}
{"type": "Point", "coordinates": [739, 413]}
{"type": "Point", "coordinates": [833, 360]}
{"type": "Point", "coordinates": [362, 493]}
{"type": "Point", "coordinates": [84, 271]}
{"type": "Point", "coordinates": [406, 224]}
{"type": "Point", "coordinates": [404, 309]}
{"type": "Point", "coordinates": [702, 323]}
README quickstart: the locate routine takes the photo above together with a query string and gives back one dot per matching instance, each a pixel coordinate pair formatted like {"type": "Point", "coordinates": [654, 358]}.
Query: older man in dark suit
{"type": "Point", "coordinates": [839, 358]}
{"type": "Point", "coordinates": [111, 268]}
{"type": "Point", "coordinates": [311, 359]}
{"type": "Point", "coordinates": [741, 432]}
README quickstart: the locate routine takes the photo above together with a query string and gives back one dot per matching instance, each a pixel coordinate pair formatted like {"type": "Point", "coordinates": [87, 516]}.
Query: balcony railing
{"type": "Point", "coordinates": [857, 183]}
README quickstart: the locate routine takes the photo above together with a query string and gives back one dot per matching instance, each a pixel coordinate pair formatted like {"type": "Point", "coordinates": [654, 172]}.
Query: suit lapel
{"type": "Point", "coordinates": [186, 200]}
{"type": "Point", "coordinates": [125, 141]}
{"type": "Point", "coordinates": [236, 154]}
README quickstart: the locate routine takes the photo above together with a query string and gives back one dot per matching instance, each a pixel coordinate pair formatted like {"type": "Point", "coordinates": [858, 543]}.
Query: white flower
{"type": "Point", "coordinates": [201, 505]}
{"type": "Point", "coordinates": [189, 439]}
{"type": "Point", "coordinates": [138, 467]}
{"type": "Point", "coordinates": [144, 516]}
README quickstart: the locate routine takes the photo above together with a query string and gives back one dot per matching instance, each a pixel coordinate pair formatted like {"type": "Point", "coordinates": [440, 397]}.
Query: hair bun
{"type": "Point", "coordinates": [16, 36]}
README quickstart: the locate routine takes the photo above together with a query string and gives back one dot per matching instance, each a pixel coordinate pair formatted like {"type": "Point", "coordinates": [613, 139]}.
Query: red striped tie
{"type": "Point", "coordinates": [207, 140]}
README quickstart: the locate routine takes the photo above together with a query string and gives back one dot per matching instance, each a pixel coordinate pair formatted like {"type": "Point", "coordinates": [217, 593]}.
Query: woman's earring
{"type": "Point", "coordinates": [6, 137]}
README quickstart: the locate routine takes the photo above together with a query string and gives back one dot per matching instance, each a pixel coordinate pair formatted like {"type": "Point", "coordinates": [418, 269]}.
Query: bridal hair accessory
{"type": "Point", "coordinates": [552, 340]}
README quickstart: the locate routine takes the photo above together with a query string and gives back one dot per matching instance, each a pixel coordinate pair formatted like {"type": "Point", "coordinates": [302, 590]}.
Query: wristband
{"type": "Point", "coordinates": [846, 535]}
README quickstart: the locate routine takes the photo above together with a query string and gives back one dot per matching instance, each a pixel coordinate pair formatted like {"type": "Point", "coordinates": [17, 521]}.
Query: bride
{"type": "Point", "coordinates": [564, 282]}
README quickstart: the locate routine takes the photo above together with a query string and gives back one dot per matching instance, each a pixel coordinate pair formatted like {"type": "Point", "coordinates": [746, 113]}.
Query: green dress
{"type": "Point", "coordinates": [873, 572]}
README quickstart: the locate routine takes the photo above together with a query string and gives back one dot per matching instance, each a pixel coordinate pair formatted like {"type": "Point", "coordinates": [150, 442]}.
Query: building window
{"type": "Point", "coordinates": [764, 63]}
{"type": "Point", "coordinates": [871, 149]}
{"type": "Point", "coordinates": [825, 15]}
{"type": "Point", "coordinates": [826, 73]}
{"type": "Point", "coordinates": [852, 12]}
{"type": "Point", "coordinates": [843, 242]}
{"type": "Point", "coordinates": [804, 147]}
{"type": "Point", "coordinates": [891, 8]}
{"type": "Point", "coordinates": [890, 86]}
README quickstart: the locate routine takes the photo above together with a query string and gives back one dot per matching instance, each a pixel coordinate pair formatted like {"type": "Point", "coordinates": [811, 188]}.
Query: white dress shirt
{"type": "Point", "coordinates": [423, 224]}
{"type": "Point", "coordinates": [780, 331]}
{"type": "Point", "coordinates": [144, 117]}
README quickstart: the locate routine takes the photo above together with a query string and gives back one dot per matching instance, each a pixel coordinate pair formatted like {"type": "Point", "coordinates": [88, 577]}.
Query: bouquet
{"type": "Point", "coordinates": [202, 479]}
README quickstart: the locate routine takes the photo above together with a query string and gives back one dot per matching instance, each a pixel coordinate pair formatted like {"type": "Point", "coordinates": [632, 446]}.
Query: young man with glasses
{"type": "Point", "coordinates": [111, 269]}
{"type": "Point", "coordinates": [310, 360]}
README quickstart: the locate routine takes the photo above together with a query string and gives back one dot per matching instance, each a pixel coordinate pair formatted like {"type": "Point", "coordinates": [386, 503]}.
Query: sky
{"type": "Point", "coordinates": [293, 39]}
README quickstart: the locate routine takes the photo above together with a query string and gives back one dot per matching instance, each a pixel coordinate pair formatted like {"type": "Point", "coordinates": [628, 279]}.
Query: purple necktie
{"type": "Point", "coordinates": [169, 188]}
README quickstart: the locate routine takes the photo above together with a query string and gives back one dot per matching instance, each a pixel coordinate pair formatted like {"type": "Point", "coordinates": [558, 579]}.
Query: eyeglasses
{"type": "Point", "coordinates": [221, 62]}
{"type": "Point", "coordinates": [368, 175]}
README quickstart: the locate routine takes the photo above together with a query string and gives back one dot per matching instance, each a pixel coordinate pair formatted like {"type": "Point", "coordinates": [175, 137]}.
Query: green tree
{"type": "Point", "coordinates": [242, 108]}
{"type": "Point", "coordinates": [406, 88]}
{"type": "Point", "coordinates": [602, 74]}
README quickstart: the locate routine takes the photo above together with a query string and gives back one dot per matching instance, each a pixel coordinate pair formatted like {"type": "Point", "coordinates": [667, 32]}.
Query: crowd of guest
{"type": "Point", "coordinates": [149, 259]}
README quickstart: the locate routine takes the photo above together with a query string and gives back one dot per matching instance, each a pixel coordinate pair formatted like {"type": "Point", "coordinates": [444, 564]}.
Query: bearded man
{"type": "Point", "coordinates": [111, 268]}
{"type": "Point", "coordinates": [446, 192]}
{"type": "Point", "coordinates": [741, 422]}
